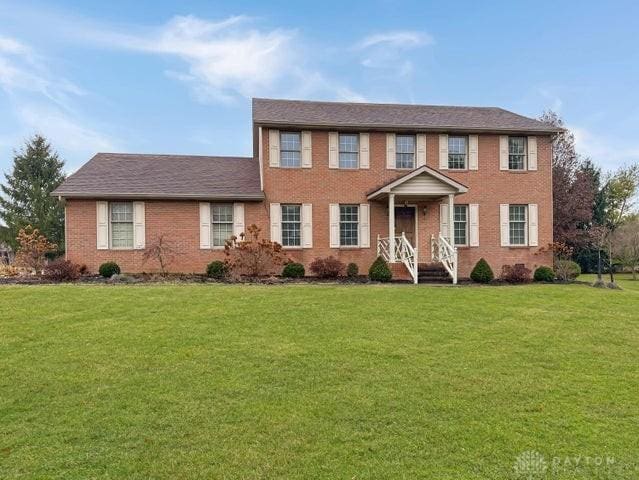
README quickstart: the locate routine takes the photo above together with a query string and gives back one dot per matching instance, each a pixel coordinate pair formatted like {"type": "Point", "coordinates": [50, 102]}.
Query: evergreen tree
{"type": "Point", "coordinates": [26, 200]}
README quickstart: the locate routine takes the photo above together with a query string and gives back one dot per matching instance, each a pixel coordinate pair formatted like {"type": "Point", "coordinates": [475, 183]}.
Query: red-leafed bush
{"type": "Point", "coordinates": [517, 273]}
{"type": "Point", "coordinates": [329, 267]}
{"type": "Point", "coordinates": [61, 270]}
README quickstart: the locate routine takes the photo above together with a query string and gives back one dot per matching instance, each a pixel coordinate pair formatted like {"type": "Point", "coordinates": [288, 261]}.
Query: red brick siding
{"type": "Point", "coordinates": [321, 186]}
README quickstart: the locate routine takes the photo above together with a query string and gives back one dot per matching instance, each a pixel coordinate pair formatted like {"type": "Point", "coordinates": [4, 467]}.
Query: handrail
{"type": "Point", "coordinates": [442, 251]}
{"type": "Point", "coordinates": [403, 250]}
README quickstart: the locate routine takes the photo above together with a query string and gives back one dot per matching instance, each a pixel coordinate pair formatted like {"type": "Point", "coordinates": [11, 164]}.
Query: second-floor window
{"type": "Point", "coordinates": [457, 152]}
{"type": "Point", "coordinates": [516, 153]}
{"type": "Point", "coordinates": [405, 151]}
{"type": "Point", "coordinates": [121, 219]}
{"type": "Point", "coordinates": [348, 150]}
{"type": "Point", "coordinates": [221, 223]}
{"type": "Point", "coordinates": [349, 225]}
{"type": "Point", "coordinates": [460, 217]}
{"type": "Point", "coordinates": [291, 225]}
{"type": "Point", "coordinates": [290, 149]}
{"type": "Point", "coordinates": [518, 220]}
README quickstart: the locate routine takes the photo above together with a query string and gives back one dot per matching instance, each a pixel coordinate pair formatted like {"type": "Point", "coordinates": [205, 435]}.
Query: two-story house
{"type": "Point", "coordinates": [415, 184]}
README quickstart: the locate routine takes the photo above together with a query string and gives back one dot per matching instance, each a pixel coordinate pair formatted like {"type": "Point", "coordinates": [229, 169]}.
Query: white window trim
{"type": "Point", "coordinates": [400, 153]}
{"type": "Point", "coordinates": [467, 225]}
{"type": "Point", "coordinates": [232, 222]}
{"type": "Point", "coordinates": [525, 166]}
{"type": "Point", "coordinates": [110, 227]}
{"type": "Point", "coordinates": [526, 225]}
{"type": "Point", "coordinates": [466, 155]}
{"type": "Point", "coordinates": [301, 222]}
{"type": "Point", "coordinates": [358, 230]}
{"type": "Point", "coordinates": [281, 150]}
{"type": "Point", "coordinates": [339, 151]}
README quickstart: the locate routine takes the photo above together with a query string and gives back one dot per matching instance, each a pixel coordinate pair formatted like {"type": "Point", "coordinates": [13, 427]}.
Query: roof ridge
{"type": "Point", "coordinates": [122, 154]}
{"type": "Point", "coordinates": [380, 104]}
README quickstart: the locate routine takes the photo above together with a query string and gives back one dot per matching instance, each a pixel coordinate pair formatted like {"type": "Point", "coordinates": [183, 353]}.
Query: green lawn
{"type": "Point", "coordinates": [317, 381]}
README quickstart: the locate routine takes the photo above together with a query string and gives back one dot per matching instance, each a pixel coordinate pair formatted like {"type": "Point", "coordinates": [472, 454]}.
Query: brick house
{"type": "Point", "coordinates": [416, 184]}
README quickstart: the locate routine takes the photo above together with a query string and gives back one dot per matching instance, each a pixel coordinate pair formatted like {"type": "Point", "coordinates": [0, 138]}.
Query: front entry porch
{"type": "Point", "coordinates": [423, 185]}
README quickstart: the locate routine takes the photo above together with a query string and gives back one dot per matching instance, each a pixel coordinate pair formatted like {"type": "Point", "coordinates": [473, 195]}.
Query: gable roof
{"type": "Point", "coordinates": [454, 185]}
{"type": "Point", "coordinates": [394, 116]}
{"type": "Point", "coordinates": [123, 175]}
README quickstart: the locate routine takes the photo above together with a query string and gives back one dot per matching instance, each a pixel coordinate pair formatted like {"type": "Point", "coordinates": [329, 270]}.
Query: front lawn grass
{"type": "Point", "coordinates": [317, 381]}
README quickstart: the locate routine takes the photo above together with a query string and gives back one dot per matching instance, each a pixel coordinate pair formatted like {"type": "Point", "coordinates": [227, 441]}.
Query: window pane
{"type": "Point", "coordinates": [221, 233]}
{"type": "Point", "coordinates": [457, 152]}
{"type": "Point", "coordinates": [349, 225]}
{"type": "Point", "coordinates": [405, 151]}
{"type": "Point", "coordinates": [290, 141]}
{"type": "Point", "coordinates": [290, 159]}
{"type": "Point", "coordinates": [349, 143]}
{"type": "Point", "coordinates": [460, 216]}
{"type": "Point", "coordinates": [291, 225]}
{"type": "Point", "coordinates": [122, 212]}
{"type": "Point", "coordinates": [221, 212]}
{"type": "Point", "coordinates": [121, 235]}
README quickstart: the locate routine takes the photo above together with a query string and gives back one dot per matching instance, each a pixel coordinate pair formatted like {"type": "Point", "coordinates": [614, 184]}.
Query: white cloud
{"type": "Point", "coordinates": [386, 51]}
{"type": "Point", "coordinates": [226, 59]}
{"type": "Point", "coordinates": [397, 39]}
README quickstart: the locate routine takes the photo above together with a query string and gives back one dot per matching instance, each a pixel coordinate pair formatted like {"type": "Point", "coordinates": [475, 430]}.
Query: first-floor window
{"type": "Point", "coordinates": [460, 217]}
{"type": "Point", "coordinates": [121, 218]}
{"type": "Point", "coordinates": [348, 225]}
{"type": "Point", "coordinates": [291, 225]}
{"type": "Point", "coordinates": [518, 217]}
{"type": "Point", "coordinates": [221, 223]}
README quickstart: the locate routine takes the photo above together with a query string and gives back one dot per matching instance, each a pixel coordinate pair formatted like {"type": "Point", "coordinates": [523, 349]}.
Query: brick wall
{"type": "Point", "coordinates": [321, 186]}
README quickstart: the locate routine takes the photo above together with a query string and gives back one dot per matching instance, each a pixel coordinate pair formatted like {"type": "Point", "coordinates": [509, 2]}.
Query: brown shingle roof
{"type": "Point", "coordinates": [113, 175]}
{"type": "Point", "coordinates": [381, 115]}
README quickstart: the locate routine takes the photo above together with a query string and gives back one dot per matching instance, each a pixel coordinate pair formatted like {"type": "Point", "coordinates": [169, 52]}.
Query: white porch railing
{"type": "Point", "coordinates": [442, 251]}
{"type": "Point", "coordinates": [404, 252]}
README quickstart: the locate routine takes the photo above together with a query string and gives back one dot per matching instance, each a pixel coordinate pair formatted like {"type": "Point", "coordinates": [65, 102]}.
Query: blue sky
{"type": "Point", "coordinates": [177, 77]}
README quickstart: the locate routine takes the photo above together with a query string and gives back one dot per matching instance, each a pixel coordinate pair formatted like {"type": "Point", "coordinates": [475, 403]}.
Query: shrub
{"type": "Point", "coordinates": [8, 271]}
{"type": "Point", "coordinates": [329, 267]}
{"type": "Point", "coordinates": [217, 269]}
{"type": "Point", "coordinates": [61, 270]}
{"type": "Point", "coordinates": [544, 274]}
{"type": "Point", "coordinates": [108, 269]}
{"type": "Point", "coordinates": [251, 256]}
{"type": "Point", "coordinates": [352, 270]}
{"type": "Point", "coordinates": [33, 248]}
{"type": "Point", "coordinates": [482, 273]}
{"type": "Point", "coordinates": [567, 270]}
{"type": "Point", "coordinates": [83, 269]}
{"type": "Point", "coordinates": [293, 270]}
{"type": "Point", "coordinates": [517, 273]}
{"type": "Point", "coordinates": [379, 271]}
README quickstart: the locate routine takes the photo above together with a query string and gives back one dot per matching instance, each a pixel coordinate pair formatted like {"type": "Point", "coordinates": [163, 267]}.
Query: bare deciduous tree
{"type": "Point", "coordinates": [162, 251]}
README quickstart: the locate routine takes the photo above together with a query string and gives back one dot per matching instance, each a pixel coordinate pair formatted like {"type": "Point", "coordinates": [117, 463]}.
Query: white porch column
{"type": "Point", "coordinates": [451, 219]}
{"type": "Point", "coordinates": [391, 226]}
